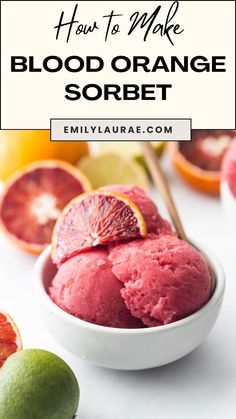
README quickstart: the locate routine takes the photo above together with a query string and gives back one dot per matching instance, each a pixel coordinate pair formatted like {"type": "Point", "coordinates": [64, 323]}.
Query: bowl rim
{"type": "Point", "coordinates": [69, 318]}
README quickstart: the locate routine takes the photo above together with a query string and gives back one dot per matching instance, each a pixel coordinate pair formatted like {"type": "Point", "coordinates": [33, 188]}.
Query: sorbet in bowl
{"type": "Point", "coordinates": [133, 303]}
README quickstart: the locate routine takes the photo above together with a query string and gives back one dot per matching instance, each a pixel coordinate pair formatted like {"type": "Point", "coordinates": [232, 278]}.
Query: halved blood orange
{"type": "Point", "coordinates": [34, 198]}
{"type": "Point", "coordinates": [92, 219]}
{"type": "Point", "coordinates": [199, 161]}
{"type": "Point", "coordinates": [10, 340]}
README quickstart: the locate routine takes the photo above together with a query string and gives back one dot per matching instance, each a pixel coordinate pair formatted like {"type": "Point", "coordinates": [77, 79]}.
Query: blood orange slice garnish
{"type": "Point", "coordinates": [92, 219]}
{"type": "Point", "coordinates": [10, 340]}
{"type": "Point", "coordinates": [34, 198]}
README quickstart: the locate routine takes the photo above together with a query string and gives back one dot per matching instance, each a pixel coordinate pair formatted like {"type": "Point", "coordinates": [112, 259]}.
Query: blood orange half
{"type": "Point", "coordinates": [34, 198]}
{"type": "Point", "coordinates": [10, 340]}
{"type": "Point", "coordinates": [92, 219]}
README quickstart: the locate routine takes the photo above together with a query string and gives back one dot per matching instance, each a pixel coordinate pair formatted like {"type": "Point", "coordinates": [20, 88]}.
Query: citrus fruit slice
{"type": "Point", "coordinates": [10, 340]}
{"type": "Point", "coordinates": [199, 161]}
{"type": "Point", "coordinates": [129, 149]}
{"type": "Point", "coordinates": [111, 168]}
{"type": "Point", "coordinates": [21, 147]}
{"type": "Point", "coordinates": [34, 198]}
{"type": "Point", "coordinates": [92, 219]}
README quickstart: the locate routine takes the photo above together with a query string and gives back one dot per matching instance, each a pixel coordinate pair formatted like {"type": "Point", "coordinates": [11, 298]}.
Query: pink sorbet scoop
{"type": "Point", "coordinates": [86, 287]}
{"type": "Point", "coordinates": [165, 279]}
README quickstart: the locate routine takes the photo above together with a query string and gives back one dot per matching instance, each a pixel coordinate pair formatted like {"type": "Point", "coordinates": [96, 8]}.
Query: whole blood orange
{"type": "Point", "coordinates": [21, 147]}
{"type": "Point", "coordinates": [10, 340]}
{"type": "Point", "coordinates": [34, 198]}
{"type": "Point", "coordinates": [95, 218]}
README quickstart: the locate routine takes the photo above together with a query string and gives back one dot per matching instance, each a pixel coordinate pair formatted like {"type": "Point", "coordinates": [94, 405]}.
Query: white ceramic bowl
{"type": "Point", "coordinates": [127, 349]}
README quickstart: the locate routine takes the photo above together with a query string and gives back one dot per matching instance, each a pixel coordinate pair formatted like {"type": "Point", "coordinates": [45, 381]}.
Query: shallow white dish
{"type": "Point", "coordinates": [127, 349]}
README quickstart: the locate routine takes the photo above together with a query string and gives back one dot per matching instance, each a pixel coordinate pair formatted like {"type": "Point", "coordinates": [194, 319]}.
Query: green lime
{"type": "Point", "coordinates": [36, 384]}
{"type": "Point", "coordinates": [129, 149]}
{"type": "Point", "coordinates": [109, 168]}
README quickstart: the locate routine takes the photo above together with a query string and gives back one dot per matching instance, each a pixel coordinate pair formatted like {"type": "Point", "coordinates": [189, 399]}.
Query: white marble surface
{"type": "Point", "coordinates": [202, 385]}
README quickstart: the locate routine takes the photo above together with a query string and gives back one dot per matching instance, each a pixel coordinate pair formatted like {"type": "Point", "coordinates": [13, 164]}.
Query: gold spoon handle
{"type": "Point", "coordinates": [161, 184]}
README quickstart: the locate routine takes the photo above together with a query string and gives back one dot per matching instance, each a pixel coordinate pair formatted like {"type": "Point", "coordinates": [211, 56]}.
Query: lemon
{"type": "Point", "coordinates": [109, 168]}
{"type": "Point", "coordinates": [129, 149]}
{"type": "Point", "coordinates": [20, 147]}
{"type": "Point", "coordinates": [36, 384]}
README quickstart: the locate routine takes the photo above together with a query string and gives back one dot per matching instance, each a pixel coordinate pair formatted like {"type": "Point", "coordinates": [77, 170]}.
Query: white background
{"type": "Point", "coordinates": [29, 100]}
{"type": "Point", "coordinates": [200, 386]}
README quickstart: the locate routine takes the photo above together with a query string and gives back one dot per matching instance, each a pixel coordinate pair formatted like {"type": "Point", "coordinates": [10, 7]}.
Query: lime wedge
{"type": "Point", "coordinates": [129, 149]}
{"type": "Point", "coordinates": [109, 168]}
